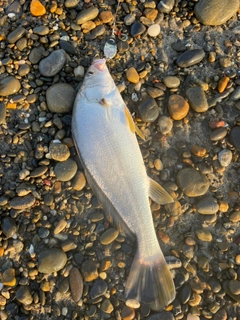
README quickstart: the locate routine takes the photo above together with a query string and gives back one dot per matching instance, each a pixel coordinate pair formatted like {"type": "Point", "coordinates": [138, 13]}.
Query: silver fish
{"type": "Point", "coordinates": [104, 135]}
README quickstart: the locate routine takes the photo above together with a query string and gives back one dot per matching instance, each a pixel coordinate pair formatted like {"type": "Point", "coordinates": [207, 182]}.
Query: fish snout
{"type": "Point", "coordinates": [99, 64]}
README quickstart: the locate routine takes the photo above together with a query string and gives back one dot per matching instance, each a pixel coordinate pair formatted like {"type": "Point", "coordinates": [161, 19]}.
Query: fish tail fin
{"type": "Point", "coordinates": [150, 282]}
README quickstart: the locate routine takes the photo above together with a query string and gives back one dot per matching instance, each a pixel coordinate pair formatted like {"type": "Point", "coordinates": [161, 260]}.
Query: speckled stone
{"type": "Point", "coordinates": [215, 12]}
{"type": "Point", "coordinates": [9, 85]}
{"type": "Point", "coordinates": [178, 107]}
{"type": "Point", "coordinates": [87, 15]}
{"type": "Point", "coordinates": [53, 63]}
{"type": "Point", "coordinates": [59, 151]}
{"type": "Point", "coordinates": [225, 157]}
{"type": "Point", "coordinates": [207, 205]}
{"type": "Point", "coordinates": [171, 81]}
{"type": "Point", "coordinates": [76, 284]}
{"type": "Point", "coordinates": [192, 182]}
{"type": "Point", "coordinates": [65, 170]}
{"type": "Point", "coordinates": [148, 110]}
{"type": "Point", "coordinates": [190, 57]}
{"type": "Point", "coordinates": [60, 97]}
{"type": "Point", "coordinates": [51, 260]}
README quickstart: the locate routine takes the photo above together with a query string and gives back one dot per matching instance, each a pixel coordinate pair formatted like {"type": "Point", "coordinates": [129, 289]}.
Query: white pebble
{"type": "Point", "coordinates": [154, 30]}
{"type": "Point", "coordinates": [225, 157]}
{"type": "Point", "coordinates": [11, 15]}
{"type": "Point", "coordinates": [64, 311]}
{"type": "Point", "coordinates": [79, 71]}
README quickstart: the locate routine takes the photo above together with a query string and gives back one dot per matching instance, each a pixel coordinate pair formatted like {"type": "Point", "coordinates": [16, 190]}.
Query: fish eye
{"type": "Point", "coordinates": [90, 73]}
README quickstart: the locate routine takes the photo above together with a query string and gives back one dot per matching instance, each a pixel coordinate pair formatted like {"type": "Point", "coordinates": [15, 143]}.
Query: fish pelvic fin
{"type": "Point", "coordinates": [158, 194]}
{"type": "Point", "coordinates": [150, 282]}
{"type": "Point", "coordinates": [131, 125]}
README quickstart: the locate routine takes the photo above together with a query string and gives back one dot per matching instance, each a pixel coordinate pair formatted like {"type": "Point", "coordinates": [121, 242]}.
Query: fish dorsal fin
{"type": "Point", "coordinates": [132, 126]}
{"type": "Point", "coordinates": [158, 194]}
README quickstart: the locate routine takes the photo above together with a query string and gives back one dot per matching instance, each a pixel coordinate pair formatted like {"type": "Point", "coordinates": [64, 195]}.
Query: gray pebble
{"type": "Point", "coordinates": [16, 34]}
{"type": "Point", "coordinates": [36, 55]}
{"type": "Point", "coordinates": [235, 137]}
{"type": "Point", "coordinates": [192, 182]}
{"type": "Point", "coordinates": [163, 315]}
{"type": "Point", "coordinates": [225, 157]}
{"type": "Point", "coordinates": [207, 205]}
{"type": "Point", "coordinates": [53, 63]}
{"type": "Point", "coordinates": [236, 94]}
{"type": "Point", "coordinates": [98, 289]}
{"type": "Point", "coordinates": [41, 30]}
{"type": "Point", "coordinates": [218, 134]}
{"type": "Point", "coordinates": [166, 6]}
{"type": "Point", "coordinates": [38, 172]}
{"type": "Point", "coordinates": [9, 85]}
{"type": "Point", "coordinates": [87, 15]}
{"type": "Point", "coordinates": [67, 47]}
{"type": "Point", "coordinates": [148, 110]}
{"type": "Point", "coordinates": [89, 270]}
{"type": "Point", "coordinates": [171, 81]}
{"type": "Point", "coordinates": [165, 124]}
{"type": "Point", "coordinates": [155, 92]}
{"type": "Point", "coordinates": [76, 284]}
{"type": "Point", "coordinates": [197, 99]}
{"type": "Point", "coordinates": [215, 284]}
{"type": "Point", "coordinates": [51, 260]}
{"type": "Point", "coordinates": [9, 227]}
{"type": "Point", "coordinates": [129, 19]}
{"type": "Point", "coordinates": [60, 97]}
{"type": "Point", "coordinates": [190, 57]}
{"type": "Point", "coordinates": [184, 293]}
{"type": "Point", "coordinates": [15, 8]}
{"type": "Point", "coordinates": [43, 232]}
{"type": "Point", "coordinates": [65, 170]}
{"type": "Point", "coordinates": [21, 203]}
{"type": "Point", "coordinates": [2, 112]}
{"type": "Point", "coordinates": [137, 29]}
{"type": "Point", "coordinates": [23, 295]}
{"type": "Point", "coordinates": [24, 70]}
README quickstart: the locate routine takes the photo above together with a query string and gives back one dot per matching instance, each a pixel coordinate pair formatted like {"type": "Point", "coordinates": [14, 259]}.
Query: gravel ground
{"type": "Point", "coordinates": [59, 257]}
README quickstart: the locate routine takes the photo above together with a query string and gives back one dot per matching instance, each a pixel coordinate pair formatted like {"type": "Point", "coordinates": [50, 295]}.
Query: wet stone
{"type": "Point", "coordinates": [8, 227]}
{"type": "Point", "coordinates": [236, 94]}
{"type": "Point", "coordinates": [178, 107]}
{"type": "Point", "coordinates": [24, 70]}
{"type": "Point", "coordinates": [38, 172]}
{"type": "Point", "coordinates": [127, 313]}
{"type": "Point", "coordinates": [132, 75]}
{"type": "Point", "coordinates": [23, 295]}
{"type": "Point", "coordinates": [215, 12]}
{"type": "Point", "coordinates": [65, 170]}
{"type": "Point", "coordinates": [76, 284]}
{"type": "Point", "coordinates": [60, 97]}
{"type": "Point", "coordinates": [2, 113]}
{"type": "Point", "coordinates": [53, 63]}
{"type": "Point", "coordinates": [218, 134]}
{"type": "Point", "coordinates": [98, 289]}
{"type": "Point", "coordinates": [184, 293]}
{"type": "Point", "coordinates": [59, 151]}
{"type": "Point", "coordinates": [79, 181]}
{"type": "Point", "coordinates": [148, 110]}
{"type": "Point", "coordinates": [165, 124]}
{"type": "Point", "coordinates": [166, 6]}
{"type": "Point", "coordinates": [204, 235]}
{"type": "Point", "coordinates": [16, 34]}
{"type": "Point", "coordinates": [225, 157]}
{"type": "Point", "coordinates": [235, 136]}
{"type": "Point", "coordinates": [61, 225]}
{"type": "Point", "coordinates": [171, 81]}
{"type": "Point", "coordinates": [207, 205]}
{"type": "Point", "coordinates": [51, 260]}
{"type": "Point", "coordinates": [9, 85]}
{"type": "Point", "coordinates": [22, 202]}
{"type": "Point", "coordinates": [87, 15]}
{"type": "Point", "coordinates": [106, 306]}
{"type": "Point", "coordinates": [197, 99]}
{"type": "Point", "coordinates": [192, 182]}
{"type": "Point", "coordinates": [190, 57]}
{"type": "Point", "coordinates": [36, 55]}
{"type": "Point", "coordinates": [109, 236]}
{"type": "Point", "coordinates": [234, 286]}
{"type": "Point", "coordinates": [137, 29]}
{"type": "Point", "coordinates": [89, 270]}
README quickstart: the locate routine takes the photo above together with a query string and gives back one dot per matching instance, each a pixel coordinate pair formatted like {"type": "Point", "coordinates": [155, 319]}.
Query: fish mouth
{"type": "Point", "coordinates": [99, 64]}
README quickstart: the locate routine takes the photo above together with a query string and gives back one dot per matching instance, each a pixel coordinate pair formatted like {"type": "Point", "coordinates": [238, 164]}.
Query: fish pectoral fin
{"type": "Point", "coordinates": [131, 125]}
{"type": "Point", "coordinates": [158, 194]}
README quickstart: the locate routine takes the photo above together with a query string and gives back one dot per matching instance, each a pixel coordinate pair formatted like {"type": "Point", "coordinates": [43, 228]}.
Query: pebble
{"type": "Point", "coordinates": [165, 125]}
{"type": "Point", "coordinates": [41, 30]}
{"type": "Point", "coordinates": [235, 216]}
{"type": "Point", "coordinates": [204, 235]}
{"type": "Point", "coordinates": [61, 225]}
{"type": "Point", "coordinates": [16, 34]}
{"type": "Point", "coordinates": [235, 297]}
{"type": "Point", "coordinates": [122, 46]}
{"type": "Point", "coordinates": [155, 92]}
{"type": "Point", "coordinates": [9, 85]}
{"type": "Point", "coordinates": [9, 227]}
{"type": "Point", "coordinates": [89, 270]}
{"type": "Point", "coordinates": [24, 70]}
{"type": "Point", "coordinates": [198, 151]}
{"type": "Point", "coordinates": [166, 6]}
{"type": "Point", "coordinates": [23, 295]}
{"type": "Point", "coordinates": [191, 316]}
{"type": "Point", "coordinates": [79, 72]}
{"type": "Point", "coordinates": [76, 284]}
{"type": "Point", "coordinates": [106, 16]}
{"type": "Point", "coordinates": [15, 8]}
{"type": "Point", "coordinates": [192, 182]}
{"type": "Point", "coordinates": [234, 286]}
{"type": "Point", "coordinates": [36, 54]}
{"type": "Point", "coordinates": [184, 293]}
{"type": "Point", "coordinates": [225, 157]}
{"type": "Point", "coordinates": [225, 62]}
{"type": "Point", "coordinates": [109, 236]}
{"type": "Point", "coordinates": [218, 134]}
{"type": "Point", "coordinates": [2, 112]}
{"type": "Point", "coordinates": [71, 3]}
{"type": "Point", "coordinates": [132, 75]}
{"type": "Point", "coordinates": [207, 205]}
{"type": "Point", "coordinates": [9, 277]}
{"type": "Point", "coordinates": [127, 313]}
{"type": "Point", "coordinates": [163, 315]}
{"type": "Point", "coordinates": [221, 314]}
{"type": "Point", "coordinates": [235, 137]}
{"type": "Point", "coordinates": [59, 151]}
{"type": "Point", "coordinates": [65, 170]}
{"type": "Point", "coordinates": [154, 30]}
{"type": "Point", "coordinates": [51, 260]}
{"type": "Point", "coordinates": [60, 97]}
{"type": "Point", "coordinates": [38, 172]}
{"type": "Point", "coordinates": [137, 28]}
{"type": "Point", "coordinates": [215, 12]}
{"type": "Point", "coordinates": [190, 57]}
{"type": "Point", "coordinates": [36, 8]}
{"type": "Point", "coordinates": [236, 94]}
{"type": "Point", "coordinates": [197, 99]}
{"type": "Point", "coordinates": [53, 63]}
{"type": "Point", "coordinates": [171, 82]}
{"type": "Point", "coordinates": [148, 110]}
{"type": "Point", "coordinates": [107, 306]}
{"type": "Point", "coordinates": [178, 107]}
{"type": "Point", "coordinates": [222, 84]}
{"type": "Point", "coordinates": [21, 203]}
{"type": "Point", "coordinates": [98, 289]}
{"type": "Point", "coordinates": [87, 15]}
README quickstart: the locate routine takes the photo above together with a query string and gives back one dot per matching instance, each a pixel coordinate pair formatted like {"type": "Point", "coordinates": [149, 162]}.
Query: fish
{"type": "Point", "coordinates": [104, 134]}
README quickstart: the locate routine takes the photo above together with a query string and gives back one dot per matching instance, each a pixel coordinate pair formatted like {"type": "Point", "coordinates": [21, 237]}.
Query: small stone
{"type": "Point", "coordinates": [59, 151]}
{"type": "Point", "coordinates": [223, 206]}
{"type": "Point", "coordinates": [225, 62]}
{"type": "Point", "coordinates": [106, 306]}
{"type": "Point", "coordinates": [192, 317]}
{"type": "Point", "coordinates": [150, 13]}
{"type": "Point", "coordinates": [192, 182]}
{"type": "Point", "coordinates": [24, 70]}
{"type": "Point", "coordinates": [165, 125]}
{"type": "Point", "coordinates": [41, 30]}
{"type": "Point", "coordinates": [53, 63]}
{"type": "Point", "coordinates": [98, 289]}
{"type": "Point", "coordinates": [106, 16]}
{"type": "Point", "coordinates": [207, 205]}
{"type": "Point", "coordinates": [190, 57]}
{"type": "Point", "coordinates": [21, 203]}
{"type": "Point", "coordinates": [237, 259]}
{"type": "Point", "coordinates": [166, 6]}
{"type": "Point", "coordinates": [204, 235]}
{"type": "Point", "coordinates": [87, 15]}
{"type": "Point", "coordinates": [178, 107]}
{"type": "Point", "coordinates": [154, 30]}
{"type": "Point", "coordinates": [2, 113]}
{"type": "Point", "coordinates": [16, 34]}
{"type": "Point", "coordinates": [36, 55]}
{"type": "Point", "coordinates": [148, 110]}
{"type": "Point", "coordinates": [236, 94]}
{"type": "Point", "coordinates": [9, 227]}
{"type": "Point", "coordinates": [225, 157]}
{"type": "Point", "coordinates": [51, 260]}
{"type": "Point", "coordinates": [215, 12]}
{"type": "Point", "coordinates": [36, 8]}
{"type": "Point", "coordinates": [79, 181]}
{"type": "Point", "coordinates": [171, 82]}
{"type": "Point", "coordinates": [9, 277]}
{"type": "Point", "coordinates": [76, 284]}
{"type": "Point", "coordinates": [67, 47]}
{"type": "Point", "coordinates": [79, 72]}
{"type": "Point", "coordinates": [15, 8]}
{"type": "Point", "coordinates": [234, 286]}
{"type": "Point", "coordinates": [235, 137]}
{"type": "Point", "coordinates": [132, 75]}
{"type": "Point", "coordinates": [60, 97]}
{"type": "Point", "coordinates": [222, 84]}
{"type": "Point", "coordinates": [109, 236]}
{"type": "Point", "coordinates": [71, 3]}
{"type": "Point", "coordinates": [23, 295]}
{"type": "Point", "coordinates": [137, 29]}
{"type": "Point", "coordinates": [155, 92]}
{"type": "Point", "coordinates": [60, 226]}
{"type": "Point", "coordinates": [226, 288]}
{"type": "Point", "coordinates": [197, 99]}
{"type": "Point", "coordinates": [65, 170]}
{"type": "Point", "coordinates": [218, 134]}
{"type": "Point", "coordinates": [235, 217]}
{"type": "Point", "coordinates": [198, 151]}
{"type": "Point", "coordinates": [221, 314]}
{"type": "Point", "coordinates": [212, 56]}
{"type": "Point", "coordinates": [89, 270]}
{"type": "Point", "coordinates": [9, 85]}
{"type": "Point", "coordinates": [38, 172]}
{"type": "Point", "coordinates": [184, 293]}
{"type": "Point", "coordinates": [127, 313]}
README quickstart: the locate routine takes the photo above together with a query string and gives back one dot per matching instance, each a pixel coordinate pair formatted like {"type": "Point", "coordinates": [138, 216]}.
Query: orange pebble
{"type": "Point", "coordinates": [1, 251]}
{"type": "Point", "coordinates": [11, 106]}
{"type": "Point", "coordinates": [222, 84]}
{"type": "Point", "coordinates": [36, 8]}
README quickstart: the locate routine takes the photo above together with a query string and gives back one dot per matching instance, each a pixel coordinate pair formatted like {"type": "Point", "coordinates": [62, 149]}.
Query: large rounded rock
{"type": "Point", "coordinates": [60, 97]}
{"type": "Point", "coordinates": [190, 57]}
{"type": "Point", "coordinates": [9, 85]}
{"type": "Point", "coordinates": [215, 12]}
{"type": "Point", "coordinates": [53, 63]}
{"type": "Point", "coordinates": [192, 182]}
{"type": "Point", "coordinates": [197, 99]}
{"type": "Point", "coordinates": [51, 260]}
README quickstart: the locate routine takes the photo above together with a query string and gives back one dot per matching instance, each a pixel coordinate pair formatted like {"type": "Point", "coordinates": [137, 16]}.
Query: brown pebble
{"type": "Point", "coordinates": [132, 75]}
{"type": "Point", "coordinates": [223, 206]}
{"type": "Point", "coordinates": [198, 150]}
{"type": "Point", "coordinates": [222, 84]}
{"type": "Point", "coordinates": [237, 259]}
{"type": "Point", "coordinates": [212, 56]}
{"type": "Point", "coordinates": [151, 14]}
{"type": "Point", "coordinates": [163, 236]}
{"type": "Point", "coordinates": [76, 284]}
{"type": "Point", "coordinates": [178, 107]}
{"type": "Point", "coordinates": [106, 16]}
{"type": "Point", "coordinates": [127, 313]}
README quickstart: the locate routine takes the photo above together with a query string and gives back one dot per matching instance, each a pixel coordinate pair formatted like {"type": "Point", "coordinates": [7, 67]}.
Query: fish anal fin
{"type": "Point", "coordinates": [158, 194]}
{"type": "Point", "coordinates": [139, 132]}
{"type": "Point", "coordinates": [129, 120]}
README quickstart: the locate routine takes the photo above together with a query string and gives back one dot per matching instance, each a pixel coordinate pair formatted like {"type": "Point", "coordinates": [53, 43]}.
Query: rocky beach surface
{"type": "Point", "coordinates": [178, 70]}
